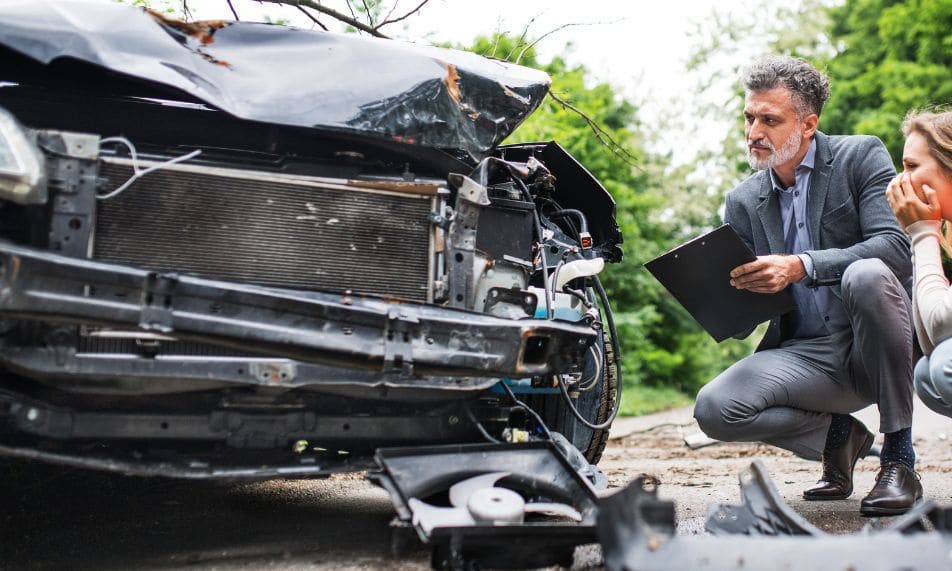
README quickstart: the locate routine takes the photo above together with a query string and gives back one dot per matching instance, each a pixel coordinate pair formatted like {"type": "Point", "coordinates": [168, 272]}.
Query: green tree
{"type": "Point", "coordinates": [894, 56]}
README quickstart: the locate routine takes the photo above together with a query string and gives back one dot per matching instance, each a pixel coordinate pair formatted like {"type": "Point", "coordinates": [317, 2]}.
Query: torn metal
{"type": "Point", "coordinates": [637, 532]}
{"type": "Point", "coordinates": [408, 94]}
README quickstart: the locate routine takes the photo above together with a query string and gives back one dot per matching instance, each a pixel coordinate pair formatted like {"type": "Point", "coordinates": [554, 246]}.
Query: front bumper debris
{"type": "Point", "coordinates": [356, 332]}
{"type": "Point", "coordinates": [636, 531]}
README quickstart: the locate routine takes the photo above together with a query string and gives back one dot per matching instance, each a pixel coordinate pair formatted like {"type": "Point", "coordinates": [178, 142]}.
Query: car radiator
{"type": "Point", "coordinates": [269, 230]}
{"type": "Point", "coordinates": [272, 230]}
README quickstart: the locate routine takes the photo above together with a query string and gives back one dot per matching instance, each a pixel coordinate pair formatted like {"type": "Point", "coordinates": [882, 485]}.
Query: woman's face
{"type": "Point", "coordinates": [922, 168]}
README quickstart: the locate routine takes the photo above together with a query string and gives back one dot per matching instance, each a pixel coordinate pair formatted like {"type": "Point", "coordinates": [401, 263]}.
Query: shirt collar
{"type": "Point", "coordinates": [805, 166]}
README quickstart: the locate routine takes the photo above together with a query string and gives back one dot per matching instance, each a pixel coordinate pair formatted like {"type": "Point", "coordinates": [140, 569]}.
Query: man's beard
{"type": "Point", "coordinates": [776, 157]}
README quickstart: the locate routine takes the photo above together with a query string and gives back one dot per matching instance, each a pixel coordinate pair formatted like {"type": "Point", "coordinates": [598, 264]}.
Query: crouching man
{"type": "Point", "coordinates": [816, 216]}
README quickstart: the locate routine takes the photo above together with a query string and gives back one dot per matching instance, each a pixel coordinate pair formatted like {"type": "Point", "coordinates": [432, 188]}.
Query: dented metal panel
{"type": "Point", "coordinates": [418, 95]}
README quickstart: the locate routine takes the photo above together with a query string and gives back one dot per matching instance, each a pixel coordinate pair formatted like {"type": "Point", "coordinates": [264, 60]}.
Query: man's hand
{"type": "Point", "coordinates": [768, 274]}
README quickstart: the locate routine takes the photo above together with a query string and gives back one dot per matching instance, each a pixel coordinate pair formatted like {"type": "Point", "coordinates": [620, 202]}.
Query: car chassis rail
{"type": "Point", "coordinates": [346, 330]}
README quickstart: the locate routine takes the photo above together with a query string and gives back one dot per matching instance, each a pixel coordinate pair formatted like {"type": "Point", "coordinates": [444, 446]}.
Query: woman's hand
{"type": "Point", "coordinates": [911, 206]}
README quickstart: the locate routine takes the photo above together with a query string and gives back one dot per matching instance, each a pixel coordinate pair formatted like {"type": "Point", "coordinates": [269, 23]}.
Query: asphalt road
{"type": "Point", "coordinates": [72, 519]}
{"type": "Point", "coordinates": [53, 518]}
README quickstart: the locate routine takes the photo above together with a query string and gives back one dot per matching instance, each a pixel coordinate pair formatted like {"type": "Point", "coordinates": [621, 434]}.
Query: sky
{"type": "Point", "coordinates": [641, 47]}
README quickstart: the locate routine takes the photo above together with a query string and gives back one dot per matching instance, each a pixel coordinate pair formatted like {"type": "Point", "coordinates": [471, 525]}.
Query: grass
{"type": "Point", "coordinates": [640, 399]}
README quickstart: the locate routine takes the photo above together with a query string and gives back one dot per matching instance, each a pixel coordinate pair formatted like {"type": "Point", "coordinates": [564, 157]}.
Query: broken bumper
{"type": "Point", "coordinates": [389, 337]}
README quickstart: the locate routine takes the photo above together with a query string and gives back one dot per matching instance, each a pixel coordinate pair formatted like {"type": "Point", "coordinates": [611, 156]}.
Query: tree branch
{"type": "Point", "coordinates": [332, 13]}
{"type": "Point", "coordinates": [313, 19]}
{"type": "Point", "coordinates": [522, 37]}
{"type": "Point", "coordinates": [390, 12]}
{"type": "Point", "coordinates": [549, 33]}
{"type": "Point", "coordinates": [399, 18]}
{"type": "Point", "coordinates": [233, 12]}
{"type": "Point", "coordinates": [600, 133]}
{"type": "Point", "coordinates": [370, 16]}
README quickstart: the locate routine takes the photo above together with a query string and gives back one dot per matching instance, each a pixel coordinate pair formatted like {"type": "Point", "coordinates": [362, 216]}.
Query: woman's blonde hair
{"type": "Point", "coordinates": [935, 126]}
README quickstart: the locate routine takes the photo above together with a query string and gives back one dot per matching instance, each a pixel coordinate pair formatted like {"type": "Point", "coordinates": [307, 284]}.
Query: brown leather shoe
{"type": "Point", "coordinates": [837, 480]}
{"type": "Point", "coordinates": [897, 489]}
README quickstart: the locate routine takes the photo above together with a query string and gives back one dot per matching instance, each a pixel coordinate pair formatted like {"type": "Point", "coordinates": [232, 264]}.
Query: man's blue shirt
{"type": "Point", "coordinates": [818, 311]}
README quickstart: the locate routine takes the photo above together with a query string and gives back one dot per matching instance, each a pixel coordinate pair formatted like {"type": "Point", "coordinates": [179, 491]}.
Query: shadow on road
{"type": "Point", "coordinates": [54, 518]}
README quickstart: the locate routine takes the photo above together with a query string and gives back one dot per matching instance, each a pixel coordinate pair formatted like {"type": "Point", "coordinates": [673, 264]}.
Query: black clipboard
{"type": "Point", "coordinates": [697, 273]}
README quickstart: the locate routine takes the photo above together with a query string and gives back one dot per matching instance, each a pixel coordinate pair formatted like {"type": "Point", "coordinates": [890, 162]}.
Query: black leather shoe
{"type": "Point", "coordinates": [897, 489]}
{"type": "Point", "coordinates": [837, 480]}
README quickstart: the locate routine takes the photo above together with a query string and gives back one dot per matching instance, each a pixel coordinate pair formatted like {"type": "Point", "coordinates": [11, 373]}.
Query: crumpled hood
{"type": "Point", "coordinates": [388, 89]}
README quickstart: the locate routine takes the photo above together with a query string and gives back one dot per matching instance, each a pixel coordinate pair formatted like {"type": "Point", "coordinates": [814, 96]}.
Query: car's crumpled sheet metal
{"type": "Point", "coordinates": [637, 531]}
{"type": "Point", "coordinates": [307, 78]}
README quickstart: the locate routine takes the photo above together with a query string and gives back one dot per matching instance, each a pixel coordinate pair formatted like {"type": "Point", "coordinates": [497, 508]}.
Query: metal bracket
{"type": "Point", "coordinates": [157, 290]}
{"type": "Point", "coordinates": [398, 347]}
{"type": "Point", "coordinates": [72, 178]}
{"type": "Point", "coordinates": [461, 239]}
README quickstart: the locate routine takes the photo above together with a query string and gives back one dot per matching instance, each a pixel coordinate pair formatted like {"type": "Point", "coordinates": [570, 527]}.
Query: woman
{"type": "Point", "coordinates": [921, 198]}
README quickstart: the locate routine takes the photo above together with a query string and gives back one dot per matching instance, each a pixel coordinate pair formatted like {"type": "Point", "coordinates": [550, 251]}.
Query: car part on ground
{"type": "Point", "coordinates": [495, 530]}
{"type": "Point", "coordinates": [637, 532]}
{"type": "Point", "coordinates": [763, 511]}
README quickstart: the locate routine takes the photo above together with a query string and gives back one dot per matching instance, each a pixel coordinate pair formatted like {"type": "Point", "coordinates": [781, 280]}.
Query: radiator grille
{"type": "Point", "coordinates": [269, 232]}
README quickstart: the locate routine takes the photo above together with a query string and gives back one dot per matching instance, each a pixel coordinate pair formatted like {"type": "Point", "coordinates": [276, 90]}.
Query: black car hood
{"type": "Point", "coordinates": [385, 89]}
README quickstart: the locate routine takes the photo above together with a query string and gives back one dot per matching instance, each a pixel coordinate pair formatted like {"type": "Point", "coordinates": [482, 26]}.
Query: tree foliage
{"type": "Point", "coordinates": [893, 57]}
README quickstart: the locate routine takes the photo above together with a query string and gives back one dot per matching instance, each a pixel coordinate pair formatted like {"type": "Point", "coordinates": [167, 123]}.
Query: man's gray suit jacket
{"type": "Point", "coordinates": [849, 218]}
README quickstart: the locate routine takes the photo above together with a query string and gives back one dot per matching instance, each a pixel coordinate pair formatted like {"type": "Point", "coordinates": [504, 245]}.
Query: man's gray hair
{"type": "Point", "coordinates": [809, 87]}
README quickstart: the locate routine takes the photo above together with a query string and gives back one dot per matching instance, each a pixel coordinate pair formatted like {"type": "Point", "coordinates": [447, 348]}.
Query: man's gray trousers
{"type": "Point", "coordinates": [784, 396]}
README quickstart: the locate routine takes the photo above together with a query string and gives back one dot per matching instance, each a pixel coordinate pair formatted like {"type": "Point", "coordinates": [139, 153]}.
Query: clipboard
{"type": "Point", "coordinates": [697, 273]}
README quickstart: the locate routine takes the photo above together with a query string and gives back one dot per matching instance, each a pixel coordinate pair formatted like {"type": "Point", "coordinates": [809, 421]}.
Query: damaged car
{"type": "Point", "coordinates": [246, 250]}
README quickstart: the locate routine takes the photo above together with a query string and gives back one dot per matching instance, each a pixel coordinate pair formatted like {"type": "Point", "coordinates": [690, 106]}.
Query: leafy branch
{"type": "Point", "coordinates": [601, 134]}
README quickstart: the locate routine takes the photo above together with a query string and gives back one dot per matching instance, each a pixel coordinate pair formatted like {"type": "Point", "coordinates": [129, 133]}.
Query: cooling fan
{"type": "Point", "coordinates": [479, 501]}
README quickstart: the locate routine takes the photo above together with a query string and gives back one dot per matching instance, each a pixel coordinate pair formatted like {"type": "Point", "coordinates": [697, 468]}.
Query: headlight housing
{"type": "Point", "coordinates": [22, 166]}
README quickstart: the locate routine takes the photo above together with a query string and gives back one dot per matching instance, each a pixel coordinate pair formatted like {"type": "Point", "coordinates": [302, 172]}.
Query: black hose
{"type": "Point", "coordinates": [614, 340]}
{"type": "Point", "coordinates": [479, 426]}
{"type": "Point", "coordinates": [528, 409]}
{"type": "Point", "coordinates": [578, 214]}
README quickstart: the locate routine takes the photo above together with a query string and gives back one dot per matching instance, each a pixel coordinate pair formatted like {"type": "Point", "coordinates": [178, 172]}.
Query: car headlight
{"type": "Point", "coordinates": [22, 166]}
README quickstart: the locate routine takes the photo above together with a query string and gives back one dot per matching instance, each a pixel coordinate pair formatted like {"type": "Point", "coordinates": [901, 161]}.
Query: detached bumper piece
{"type": "Point", "coordinates": [636, 531]}
{"type": "Point", "coordinates": [490, 505]}
{"type": "Point", "coordinates": [391, 337]}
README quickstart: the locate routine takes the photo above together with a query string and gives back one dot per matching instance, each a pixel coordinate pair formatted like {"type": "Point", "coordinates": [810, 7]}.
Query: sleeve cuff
{"type": "Point", "coordinates": [808, 267]}
{"type": "Point", "coordinates": [923, 228]}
